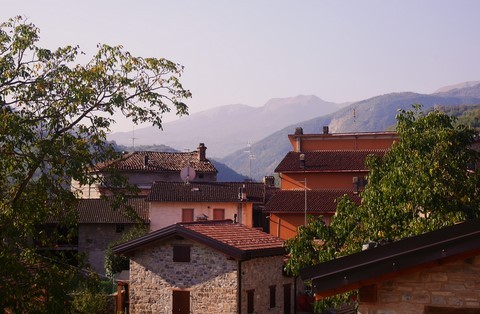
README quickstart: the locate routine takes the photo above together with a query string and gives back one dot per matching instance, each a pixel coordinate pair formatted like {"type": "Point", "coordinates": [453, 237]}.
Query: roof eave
{"type": "Point", "coordinates": [357, 269]}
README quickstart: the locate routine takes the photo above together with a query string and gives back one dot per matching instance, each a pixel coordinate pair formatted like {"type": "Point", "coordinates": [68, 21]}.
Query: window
{"type": "Point", "coordinates": [119, 228]}
{"type": "Point", "coordinates": [181, 253]}
{"type": "Point", "coordinates": [187, 214]}
{"type": "Point", "coordinates": [273, 296]}
{"type": "Point", "coordinates": [250, 298]}
{"type": "Point", "coordinates": [218, 214]}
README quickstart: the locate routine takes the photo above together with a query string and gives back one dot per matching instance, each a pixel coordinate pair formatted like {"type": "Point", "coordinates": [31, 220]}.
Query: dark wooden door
{"type": "Point", "coordinates": [181, 302]}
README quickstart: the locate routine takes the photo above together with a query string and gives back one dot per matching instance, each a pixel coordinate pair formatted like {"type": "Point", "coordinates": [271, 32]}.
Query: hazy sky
{"type": "Point", "coordinates": [251, 51]}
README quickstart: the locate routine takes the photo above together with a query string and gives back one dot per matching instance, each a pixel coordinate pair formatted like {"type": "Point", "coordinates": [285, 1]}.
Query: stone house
{"type": "Point", "coordinates": [324, 167]}
{"type": "Point", "coordinates": [435, 272]}
{"type": "Point", "coordinates": [208, 267]}
{"type": "Point", "coordinates": [99, 224]}
{"type": "Point", "coordinates": [142, 168]}
{"type": "Point", "coordinates": [172, 202]}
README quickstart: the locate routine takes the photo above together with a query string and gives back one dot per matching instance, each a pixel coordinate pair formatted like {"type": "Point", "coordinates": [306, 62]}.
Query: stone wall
{"type": "Point", "coordinates": [210, 276]}
{"type": "Point", "coordinates": [259, 274]}
{"type": "Point", "coordinates": [93, 240]}
{"type": "Point", "coordinates": [452, 285]}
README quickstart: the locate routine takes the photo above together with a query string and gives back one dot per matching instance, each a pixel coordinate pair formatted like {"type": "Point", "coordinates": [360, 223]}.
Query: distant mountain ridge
{"type": "Point", "coordinates": [370, 115]}
{"type": "Point", "coordinates": [228, 128]}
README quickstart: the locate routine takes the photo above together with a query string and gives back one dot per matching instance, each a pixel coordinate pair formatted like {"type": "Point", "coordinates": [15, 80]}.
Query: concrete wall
{"type": "Point", "coordinates": [285, 226]}
{"type": "Point", "coordinates": [327, 180]}
{"type": "Point", "coordinates": [452, 285]}
{"type": "Point", "coordinates": [163, 214]}
{"type": "Point", "coordinates": [353, 141]}
{"type": "Point", "coordinates": [211, 278]}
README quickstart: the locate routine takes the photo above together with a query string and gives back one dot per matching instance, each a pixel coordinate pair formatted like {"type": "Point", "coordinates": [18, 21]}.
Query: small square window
{"type": "Point", "coordinates": [119, 228]}
{"type": "Point", "coordinates": [181, 253]}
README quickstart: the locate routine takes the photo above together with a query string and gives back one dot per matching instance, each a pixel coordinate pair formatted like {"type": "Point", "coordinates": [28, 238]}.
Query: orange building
{"type": "Point", "coordinates": [320, 169]}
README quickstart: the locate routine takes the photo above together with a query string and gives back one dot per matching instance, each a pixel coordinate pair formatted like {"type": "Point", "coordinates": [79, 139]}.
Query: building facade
{"type": "Point", "coordinates": [208, 267]}
{"type": "Point", "coordinates": [142, 168]}
{"type": "Point", "coordinates": [172, 202]}
{"type": "Point", "coordinates": [435, 272]}
{"type": "Point", "coordinates": [320, 169]}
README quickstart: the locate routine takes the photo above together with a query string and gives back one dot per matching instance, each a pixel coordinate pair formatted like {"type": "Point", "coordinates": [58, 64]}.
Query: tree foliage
{"type": "Point", "coordinates": [426, 181]}
{"type": "Point", "coordinates": [116, 263]}
{"type": "Point", "coordinates": [54, 117]}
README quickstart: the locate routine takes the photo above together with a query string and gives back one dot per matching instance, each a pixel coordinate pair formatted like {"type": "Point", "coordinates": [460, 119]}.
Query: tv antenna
{"type": "Point", "coordinates": [251, 156]}
{"type": "Point", "coordinates": [133, 137]}
{"type": "Point", "coordinates": [187, 174]}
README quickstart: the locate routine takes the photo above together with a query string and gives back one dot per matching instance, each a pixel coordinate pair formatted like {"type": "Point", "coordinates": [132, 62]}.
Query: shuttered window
{"type": "Point", "coordinates": [218, 214]}
{"type": "Point", "coordinates": [187, 214]}
{"type": "Point", "coordinates": [181, 253]}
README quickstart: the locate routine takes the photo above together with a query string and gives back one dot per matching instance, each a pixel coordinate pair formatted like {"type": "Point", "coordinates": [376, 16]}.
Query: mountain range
{"type": "Point", "coordinates": [226, 130]}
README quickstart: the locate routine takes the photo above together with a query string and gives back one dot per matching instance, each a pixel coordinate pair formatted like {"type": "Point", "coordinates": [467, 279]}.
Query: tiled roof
{"type": "Point", "coordinates": [205, 191]}
{"type": "Point", "coordinates": [328, 160]}
{"type": "Point", "coordinates": [101, 211]}
{"type": "Point", "coordinates": [236, 240]}
{"type": "Point", "coordinates": [159, 161]}
{"type": "Point", "coordinates": [235, 235]}
{"type": "Point", "coordinates": [318, 201]}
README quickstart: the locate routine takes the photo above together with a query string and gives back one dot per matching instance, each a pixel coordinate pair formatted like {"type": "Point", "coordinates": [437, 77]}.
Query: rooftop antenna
{"type": "Point", "coordinates": [354, 115]}
{"type": "Point", "coordinates": [250, 158]}
{"type": "Point", "coordinates": [133, 137]}
{"type": "Point", "coordinates": [187, 174]}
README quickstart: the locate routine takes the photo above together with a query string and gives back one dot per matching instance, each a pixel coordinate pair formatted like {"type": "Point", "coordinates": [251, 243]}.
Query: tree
{"type": "Point", "coordinates": [116, 263]}
{"type": "Point", "coordinates": [426, 181]}
{"type": "Point", "coordinates": [54, 117]}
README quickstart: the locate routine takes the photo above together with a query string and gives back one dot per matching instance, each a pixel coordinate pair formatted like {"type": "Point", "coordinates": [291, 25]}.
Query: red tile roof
{"type": "Point", "coordinates": [205, 192]}
{"type": "Point", "coordinates": [318, 201]}
{"type": "Point", "coordinates": [159, 161]}
{"type": "Point", "coordinates": [235, 235]}
{"type": "Point", "coordinates": [101, 211]}
{"type": "Point", "coordinates": [236, 240]}
{"type": "Point", "coordinates": [328, 160]}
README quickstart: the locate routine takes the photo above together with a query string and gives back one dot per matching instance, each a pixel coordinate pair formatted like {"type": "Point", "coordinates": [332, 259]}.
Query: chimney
{"type": "Point", "coordinates": [145, 161]}
{"type": "Point", "coordinates": [201, 152]}
{"type": "Point", "coordinates": [325, 129]}
{"type": "Point", "coordinates": [269, 181]}
{"type": "Point", "coordinates": [299, 131]}
{"type": "Point", "coordinates": [301, 158]}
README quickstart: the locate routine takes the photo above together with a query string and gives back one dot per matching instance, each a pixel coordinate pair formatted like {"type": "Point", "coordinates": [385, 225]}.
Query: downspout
{"type": "Point", "coordinates": [239, 280]}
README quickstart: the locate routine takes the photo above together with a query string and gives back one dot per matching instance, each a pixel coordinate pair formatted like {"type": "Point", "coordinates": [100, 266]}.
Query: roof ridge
{"type": "Point", "coordinates": [208, 222]}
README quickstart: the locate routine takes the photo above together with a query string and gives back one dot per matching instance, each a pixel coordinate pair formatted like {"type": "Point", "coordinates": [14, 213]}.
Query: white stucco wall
{"type": "Point", "coordinates": [163, 214]}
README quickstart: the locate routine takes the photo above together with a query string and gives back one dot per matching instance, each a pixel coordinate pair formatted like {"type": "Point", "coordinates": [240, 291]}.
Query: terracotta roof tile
{"type": "Point", "coordinates": [205, 192]}
{"type": "Point", "coordinates": [236, 240]}
{"type": "Point", "coordinates": [328, 160]}
{"type": "Point", "coordinates": [159, 161]}
{"type": "Point", "coordinates": [235, 235]}
{"type": "Point", "coordinates": [318, 201]}
{"type": "Point", "coordinates": [101, 211]}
